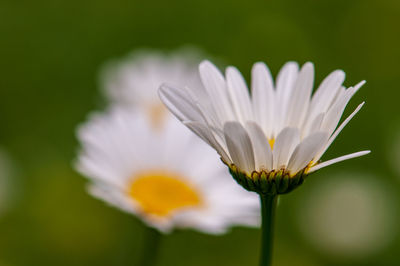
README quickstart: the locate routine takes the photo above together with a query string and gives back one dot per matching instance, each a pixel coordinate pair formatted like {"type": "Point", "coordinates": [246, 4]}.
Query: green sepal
{"type": "Point", "coordinates": [268, 183]}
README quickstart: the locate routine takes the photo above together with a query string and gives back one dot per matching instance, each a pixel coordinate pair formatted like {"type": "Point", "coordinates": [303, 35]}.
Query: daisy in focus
{"type": "Point", "coordinates": [169, 178]}
{"type": "Point", "coordinates": [275, 136]}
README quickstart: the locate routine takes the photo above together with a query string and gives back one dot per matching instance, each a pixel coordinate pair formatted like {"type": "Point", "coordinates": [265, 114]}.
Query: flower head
{"type": "Point", "coordinates": [167, 177]}
{"type": "Point", "coordinates": [272, 138]}
{"type": "Point", "coordinates": [134, 80]}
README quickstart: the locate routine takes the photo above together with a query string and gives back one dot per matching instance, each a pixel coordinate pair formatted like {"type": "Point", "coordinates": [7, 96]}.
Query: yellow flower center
{"type": "Point", "coordinates": [271, 143]}
{"type": "Point", "coordinates": [161, 193]}
{"type": "Point", "coordinates": [157, 113]}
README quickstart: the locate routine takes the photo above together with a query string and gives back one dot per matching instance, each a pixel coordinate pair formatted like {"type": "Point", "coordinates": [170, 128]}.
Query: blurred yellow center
{"type": "Point", "coordinates": [271, 143]}
{"type": "Point", "coordinates": [156, 114]}
{"type": "Point", "coordinates": [160, 193]}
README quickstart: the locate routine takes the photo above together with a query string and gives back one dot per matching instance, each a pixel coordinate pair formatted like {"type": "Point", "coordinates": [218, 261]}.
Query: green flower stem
{"type": "Point", "coordinates": [268, 206]}
{"type": "Point", "coordinates": [151, 247]}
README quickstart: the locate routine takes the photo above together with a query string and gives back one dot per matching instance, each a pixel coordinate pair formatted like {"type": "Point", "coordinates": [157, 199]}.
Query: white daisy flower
{"type": "Point", "coordinates": [272, 138]}
{"type": "Point", "coordinates": [134, 80]}
{"type": "Point", "coordinates": [168, 177]}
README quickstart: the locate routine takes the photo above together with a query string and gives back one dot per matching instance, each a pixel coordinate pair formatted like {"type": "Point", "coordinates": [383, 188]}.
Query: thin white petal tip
{"type": "Point", "coordinates": [205, 63]}
{"type": "Point", "coordinates": [359, 85]}
{"type": "Point", "coordinates": [338, 159]}
{"type": "Point", "coordinates": [293, 64]}
{"type": "Point", "coordinates": [165, 86]}
{"type": "Point", "coordinates": [340, 71]}
{"type": "Point", "coordinates": [309, 64]}
{"type": "Point", "coordinates": [231, 69]}
{"type": "Point", "coordinates": [359, 106]}
{"type": "Point", "coordinates": [259, 63]}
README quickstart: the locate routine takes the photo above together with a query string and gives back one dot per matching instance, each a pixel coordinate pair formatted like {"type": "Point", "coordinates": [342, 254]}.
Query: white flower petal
{"type": "Point", "coordinates": [306, 150]}
{"type": "Point", "coordinates": [338, 159]}
{"type": "Point", "coordinates": [263, 97]}
{"type": "Point", "coordinates": [239, 146]}
{"type": "Point", "coordinates": [179, 103]}
{"type": "Point", "coordinates": [337, 131]}
{"type": "Point", "coordinates": [334, 114]}
{"type": "Point", "coordinates": [300, 96]}
{"type": "Point", "coordinates": [285, 83]}
{"type": "Point", "coordinates": [204, 133]}
{"type": "Point", "coordinates": [284, 146]}
{"type": "Point", "coordinates": [285, 80]}
{"type": "Point", "coordinates": [325, 94]}
{"type": "Point", "coordinates": [314, 126]}
{"type": "Point", "coordinates": [359, 85]}
{"type": "Point", "coordinates": [90, 167]}
{"type": "Point", "coordinates": [261, 147]}
{"type": "Point", "coordinates": [239, 94]}
{"type": "Point", "coordinates": [215, 85]}
{"type": "Point", "coordinates": [200, 98]}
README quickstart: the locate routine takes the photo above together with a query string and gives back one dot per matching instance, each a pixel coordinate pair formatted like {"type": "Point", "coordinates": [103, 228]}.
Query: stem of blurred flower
{"type": "Point", "coordinates": [151, 246]}
{"type": "Point", "coordinates": [268, 206]}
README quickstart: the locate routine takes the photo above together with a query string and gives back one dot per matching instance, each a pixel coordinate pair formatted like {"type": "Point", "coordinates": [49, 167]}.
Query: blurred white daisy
{"type": "Point", "coordinates": [272, 138]}
{"type": "Point", "coordinates": [349, 214]}
{"type": "Point", "coordinates": [167, 177]}
{"type": "Point", "coordinates": [134, 80]}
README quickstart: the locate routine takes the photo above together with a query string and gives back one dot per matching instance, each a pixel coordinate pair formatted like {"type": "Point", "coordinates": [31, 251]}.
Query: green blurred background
{"type": "Point", "coordinates": [51, 52]}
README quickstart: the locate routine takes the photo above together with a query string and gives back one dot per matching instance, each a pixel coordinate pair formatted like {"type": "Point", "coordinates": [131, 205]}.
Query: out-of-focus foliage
{"type": "Point", "coordinates": [51, 52]}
